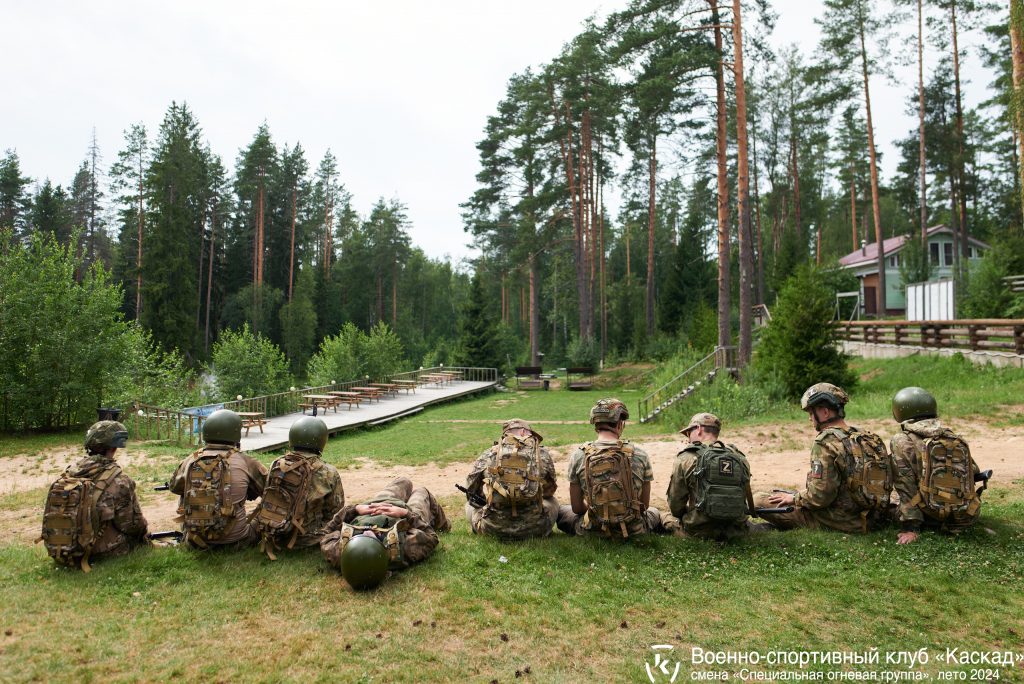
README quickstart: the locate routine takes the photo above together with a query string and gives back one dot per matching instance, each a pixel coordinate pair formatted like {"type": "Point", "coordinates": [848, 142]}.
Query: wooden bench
{"type": "Point", "coordinates": [528, 377]}
{"type": "Point", "coordinates": [350, 398]}
{"type": "Point", "coordinates": [584, 375]}
{"type": "Point", "coordinates": [407, 385]}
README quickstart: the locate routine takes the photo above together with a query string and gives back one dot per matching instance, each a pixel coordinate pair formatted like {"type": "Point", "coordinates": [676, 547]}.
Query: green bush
{"type": "Point", "coordinates": [152, 376]}
{"type": "Point", "coordinates": [249, 364]}
{"type": "Point", "coordinates": [63, 340]}
{"type": "Point", "coordinates": [584, 352]}
{"type": "Point", "coordinates": [798, 348]}
{"type": "Point", "coordinates": [382, 353]}
{"type": "Point", "coordinates": [985, 293]}
{"type": "Point", "coordinates": [352, 354]}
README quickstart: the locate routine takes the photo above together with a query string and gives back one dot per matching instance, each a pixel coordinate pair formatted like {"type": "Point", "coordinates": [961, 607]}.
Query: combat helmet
{"type": "Point", "coordinates": [308, 434]}
{"type": "Point", "coordinates": [519, 423]}
{"type": "Point", "coordinates": [706, 420]}
{"type": "Point", "coordinates": [913, 403]}
{"type": "Point", "coordinates": [106, 434]}
{"type": "Point", "coordinates": [609, 410]}
{"type": "Point", "coordinates": [364, 562]}
{"type": "Point", "coordinates": [222, 427]}
{"type": "Point", "coordinates": [827, 394]}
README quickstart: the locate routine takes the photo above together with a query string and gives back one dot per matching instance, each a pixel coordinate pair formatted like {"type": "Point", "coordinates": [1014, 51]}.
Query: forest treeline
{"type": "Point", "coordinates": [732, 163]}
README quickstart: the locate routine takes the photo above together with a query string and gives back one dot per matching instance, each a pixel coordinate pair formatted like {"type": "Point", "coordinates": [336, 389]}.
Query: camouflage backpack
{"type": "Point", "coordinates": [723, 481]}
{"type": "Point", "coordinates": [281, 515]}
{"type": "Point", "coordinates": [870, 473]}
{"type": "Point", "coordinates": [513, 478]}
{"type": "Point", "coordinates": [206, 508]}
{"type": "Point", "coordinates": [608, 486]}
{"type": "Point", "coordinates": [71, 518]}
{"type": "Point", "coordinates": [947, 478]}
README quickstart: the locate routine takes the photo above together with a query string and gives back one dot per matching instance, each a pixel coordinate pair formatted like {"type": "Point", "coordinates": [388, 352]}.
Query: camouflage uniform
{"type": "Point", "coordinates": [425, 519]}
{"type": "Point", "coordinates": [248, 477]}
{"type": "Point", "coordinates": [825, 502]}
{"type": "Point", "coordinates": [325, 496]}
{"type": "Point", "coordinates": [908, 448]}
{"type": "Point", "coordinates": [686, 520]}
{"type": "Point", "coordinates": [650, 521]}
{"type": "Point", "coordinates": [124, 525]}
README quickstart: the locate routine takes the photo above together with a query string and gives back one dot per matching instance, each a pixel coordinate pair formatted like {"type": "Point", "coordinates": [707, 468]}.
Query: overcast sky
{"type": "Point", "coordinates": [399, 91]}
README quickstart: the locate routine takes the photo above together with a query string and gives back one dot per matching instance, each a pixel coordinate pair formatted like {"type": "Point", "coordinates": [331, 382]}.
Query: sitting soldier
{"type": "Point", "coordinates": [302, 491]}
{"type": "Point", "coordinates": [709, 493]}
{"type": "Point", "coordinates": [515, 479]}
{"type": "Point", "coordinates": [610, 481]}
{"type": "Point", "coordinates": [935, 471]}
{"type": "Point", "coordinates": [851, 475]}
{"type": "Point", "coordinates": [403, 520]}
{"type": "Point", "coordinates": [92, 510]}
{"type": "Point", "coordinates": [214, 483]}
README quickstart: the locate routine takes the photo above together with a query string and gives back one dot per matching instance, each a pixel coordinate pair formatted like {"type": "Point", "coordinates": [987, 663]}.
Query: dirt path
{"type": "Point", "coordinates": [778, 457]}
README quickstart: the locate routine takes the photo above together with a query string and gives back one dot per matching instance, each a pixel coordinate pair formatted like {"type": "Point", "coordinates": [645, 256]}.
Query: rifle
{"type": "Point", "coordinates": [162, 488]}
{"type": "Point", "coordinates": [177, 535]}
{"type": "Point", "coordinates": [983, 478]}
{"type": "Point", "coordinates": [784, 509]}
{"type": "Point", "coordinates": [475, 500]}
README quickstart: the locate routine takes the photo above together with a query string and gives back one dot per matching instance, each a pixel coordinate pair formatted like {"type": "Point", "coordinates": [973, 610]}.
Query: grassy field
{"type": "Point", "coordinates": [555, 610]}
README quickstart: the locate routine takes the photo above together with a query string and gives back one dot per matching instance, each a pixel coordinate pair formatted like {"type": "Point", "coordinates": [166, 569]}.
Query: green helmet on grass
{"type": "Point", "coordinates": [364, 562]}
{"type": "Point", "coordinates": [106, 434]}
{"type": "Point", "coordinates": [308, 434]}
{"type": "Point", "coordinates": [913, 403]}
{"type": "Point", "coordinates": [223, 427]}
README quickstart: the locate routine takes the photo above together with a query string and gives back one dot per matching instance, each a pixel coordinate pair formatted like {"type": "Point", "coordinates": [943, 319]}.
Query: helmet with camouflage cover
{"type": "Point", "coordinates": [308, 434]}
{"type": "Point", "coordinates": [609, 410]}
{"type": "Point", "coordinates": [106, 434]}
{"type": "Point", "coordinates": [364, 562]}
{"type": "Point", "coordinates": [827, 394]}
{"type": "Point", "coordinates": [222, 427]}
{"type": "Point", "coordinates": [519, 424]}
{"type": "Point", "coordinates": [705, 420]}
{"type": "Point", "coordinates": [913, 403]}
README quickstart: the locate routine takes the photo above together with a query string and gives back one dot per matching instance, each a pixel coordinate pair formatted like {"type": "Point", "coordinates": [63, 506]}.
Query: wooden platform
{"type": "Point", "coordinates": [275, 430]}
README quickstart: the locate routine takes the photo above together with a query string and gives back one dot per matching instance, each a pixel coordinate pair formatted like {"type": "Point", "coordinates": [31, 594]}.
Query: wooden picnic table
{"type": "Point", "coordinates": [314, 400]}
{"type": "Point", "coordinates": [251, 419]}
{"type": "Point", "coordinates": [369, 392]}
{"type": "Point", "coordinates": [387, 387]}
{"type": "Point", "coordinates": [407, 385]}
{"type": "Point", "coordinates": [350, 398]}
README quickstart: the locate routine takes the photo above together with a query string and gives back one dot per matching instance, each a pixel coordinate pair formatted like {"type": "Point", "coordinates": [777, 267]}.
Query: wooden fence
{"type": "Point", "coordinates": [996, 334]}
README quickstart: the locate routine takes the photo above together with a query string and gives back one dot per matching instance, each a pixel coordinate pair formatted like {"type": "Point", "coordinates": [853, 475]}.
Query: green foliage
{"type": "Point", "coordinates": [382, 353]}
{"type": "Point", "coordinates": [62, 342]}
{"type": "Point", "coordinates": [353, 354]}
{"type": "Point", "coordinates": [985, 294]}
{"type": "Point", "coordinates": [298, 324]}
{"type": "Point", "coordinates": [151, 375]}
{"type": "Point", "coordinates": [479, 337]}
{"type": "Point", "coordinates": [915, 264]}
{"type": "Point", "coordinates": [249, 364]}
{"type": "Point", "coordinates": [583, 352]}
{"type": "Point", "coordinates": [799, 344]}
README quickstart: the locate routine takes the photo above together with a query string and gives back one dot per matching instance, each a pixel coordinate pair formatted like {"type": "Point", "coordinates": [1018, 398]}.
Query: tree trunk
{"type": "Point", "coordinates": [796, 185]}
{"type": "Point", "coordinates": [743, 191]}
{"type": "Point", "coordinates": [209, 281]}
{"type": "Point", "coordinates": [757, 215]}
{"type": "Point", "coordinates": [534, 312]}
{"type": "Point", "coordinates": [724, 331]}
{"type": "Point", "coordinates": [923, 201]}
{"type": "Point", "coordinates": [875, 208]}
{"type": "Point", "coordinates": [1017, 54]}
{"type": "Point", "coordinates": [291, 256]}
{"type": "Point", "coordinates": [652, 166]}
{"type": "Point", "coordinates": [853, 208]}
{"type": "Point", "coordinates": [960, 162]}
{"type": "Point", "coordinates": [138, 258]}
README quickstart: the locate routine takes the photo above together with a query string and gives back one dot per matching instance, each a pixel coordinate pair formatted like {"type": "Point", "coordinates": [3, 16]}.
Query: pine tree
{"type": "Point", "coordinates": [50, 212]}
{"type": "Point", "coordinates": [479, 334]}
{"type": "Point", "coordinates": [128, 177]}
{"type": "Point", "coordinates": [14, 196]}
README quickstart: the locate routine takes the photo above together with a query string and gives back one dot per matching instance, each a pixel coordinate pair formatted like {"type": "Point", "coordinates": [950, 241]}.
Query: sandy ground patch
{"type": "Point", "coordinates": [778, 457]}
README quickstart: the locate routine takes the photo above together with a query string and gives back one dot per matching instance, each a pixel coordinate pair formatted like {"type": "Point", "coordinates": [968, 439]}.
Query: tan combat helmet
{"type": "Point", "coordinates": [519, 423]}
{"type": "Point", "coordinates": [609, 410]}
{"type": "Point", "coordinates": [825, 393]}
{"type": "Point", "coordinates": [706, 420]}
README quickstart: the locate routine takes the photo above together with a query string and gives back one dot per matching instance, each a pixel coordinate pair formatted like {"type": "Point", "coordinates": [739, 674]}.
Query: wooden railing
{"type": "Point", "coordinates": [185, 426]}
{"type": "Point", "coordinates": [995, 334]}
{"type": "Point", "coordinates": [684, 384]}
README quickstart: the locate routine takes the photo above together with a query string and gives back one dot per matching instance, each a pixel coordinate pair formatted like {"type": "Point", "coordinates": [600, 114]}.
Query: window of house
{"type": "Point", "coordinates": [894, 261]}
{"type": "Point", "coordinates": [933, 250]}
{"type": "Point", "coordinates": [947, 253]}
{"type": "Point", "coordinates": [970, 252]}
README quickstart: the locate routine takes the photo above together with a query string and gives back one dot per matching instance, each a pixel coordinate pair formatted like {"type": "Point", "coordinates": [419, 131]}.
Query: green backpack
{"type": "Point", "coordinates": [947, 478]}
{"type": "Point", "coordinates": [206, 508]}
{"type": "Point", "coordinates": [723, 480]}
{"type": "Point", "coordinates": [281, 515]}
